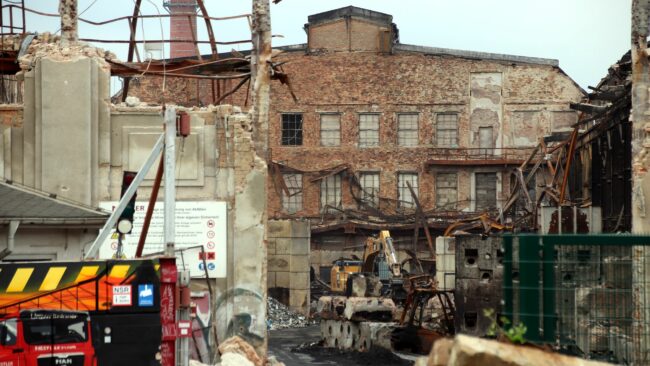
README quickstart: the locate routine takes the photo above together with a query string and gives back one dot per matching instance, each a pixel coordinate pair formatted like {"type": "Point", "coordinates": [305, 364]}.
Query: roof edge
{"type": "Point", "coordinates": [476, 54]}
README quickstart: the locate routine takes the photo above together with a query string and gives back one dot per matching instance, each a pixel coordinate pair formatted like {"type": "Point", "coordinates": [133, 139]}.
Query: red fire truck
{"type": "Point", "coordinates": [46, 338]}
{"type": "Point", "coordinates": [93, 313]}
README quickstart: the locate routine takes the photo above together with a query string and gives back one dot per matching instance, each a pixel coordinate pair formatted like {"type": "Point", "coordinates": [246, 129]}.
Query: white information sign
{"type": "Point", "coordinates": [122, 295]}
{"type": "Point", "coordinates": [198, 224]}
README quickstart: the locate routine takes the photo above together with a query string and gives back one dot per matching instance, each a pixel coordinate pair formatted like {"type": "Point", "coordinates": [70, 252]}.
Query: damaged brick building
{"type": "Point", "coordinates": [369, 128]}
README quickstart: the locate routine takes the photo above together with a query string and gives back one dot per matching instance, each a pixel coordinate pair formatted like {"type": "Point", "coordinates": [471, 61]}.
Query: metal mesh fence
{"type": "Point", "coordinates": [586, 295]}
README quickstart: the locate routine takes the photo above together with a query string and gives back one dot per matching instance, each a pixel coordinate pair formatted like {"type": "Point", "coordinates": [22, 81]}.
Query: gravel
{"type": "Point", "coordinates": [279, 316]}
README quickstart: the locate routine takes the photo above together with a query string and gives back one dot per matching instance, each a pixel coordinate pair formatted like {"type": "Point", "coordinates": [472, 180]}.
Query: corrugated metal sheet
{"type": "Point", "coordinates": [17, 202]}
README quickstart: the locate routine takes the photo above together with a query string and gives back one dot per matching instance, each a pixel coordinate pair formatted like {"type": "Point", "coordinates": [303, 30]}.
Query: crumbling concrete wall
{"type": "Point", "coordinates": [479, 279]}
{"type": "Point", "coordinates": [640, 176]}
{"type": "Point", "coordinates": [288, 263]}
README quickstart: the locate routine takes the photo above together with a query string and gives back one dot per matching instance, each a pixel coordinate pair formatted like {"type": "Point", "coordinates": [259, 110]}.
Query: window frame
{"type": "Point", "coordinates": [285, 137]}
{"type": "Point", "coordinates": [294, 201]}
{"type": "Point", "coordinates": [336, 141]}
{"type": "Point", "coordinates": [438, 143]}
{"type": "Point", "coordinates": [362, 143]}
{"type": "Point", "coordinates": [370, 198]}
{"type": "Point", "coordinates": [450, 206]}
{"type": "Point", "coordinates": [337, 183]}
{"type": "Point", "coordinates": [478, 207]}
{"type": "Point", "coordinates": [401, 202]}
{"type": "Point", "coordinates": [400, 130]}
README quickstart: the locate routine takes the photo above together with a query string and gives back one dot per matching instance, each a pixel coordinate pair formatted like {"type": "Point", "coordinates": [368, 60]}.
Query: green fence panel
{"type": "Point", "coordinates": [529, 296]}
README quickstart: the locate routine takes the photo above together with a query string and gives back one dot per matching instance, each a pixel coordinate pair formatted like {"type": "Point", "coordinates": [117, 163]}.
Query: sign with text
{"type": "Point", "coordinates": [122, 295]}
{"type": "Point", "coordinates": [198, 224]}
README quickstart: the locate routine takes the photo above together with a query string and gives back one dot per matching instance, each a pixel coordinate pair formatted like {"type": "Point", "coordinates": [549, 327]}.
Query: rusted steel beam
{"type": "Point", "coordinates": [569, 160]}
{"type": "Point", "coordinates": [8, 65]}
{"type": "Point", "coordinates": [183, 67]}
{"type": "Point", "coordinates": [113, 20]}
{"type": "Point", "coordinates": [420, 214]}
{"type": "Point", "coordinates": [159, 41]}
{"type": "Point", "coordinates": [196, 45]}
{"type": "Point", "coordinates": [489, 162]}
{"type": "Point", "coordinates": [133, 25]}
{"type": "Point", "coordinates": [152, 203]}
{"type": "Point", "coordinates": [208, 26]}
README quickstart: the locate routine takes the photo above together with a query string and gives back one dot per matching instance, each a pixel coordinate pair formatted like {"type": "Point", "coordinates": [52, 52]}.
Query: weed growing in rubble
{"type": "Point", "coordinates": [504, 327]}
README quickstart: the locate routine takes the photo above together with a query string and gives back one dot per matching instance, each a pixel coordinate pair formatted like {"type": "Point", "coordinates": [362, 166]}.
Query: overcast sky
{"type": "Point", "coordinates": [586, 36]}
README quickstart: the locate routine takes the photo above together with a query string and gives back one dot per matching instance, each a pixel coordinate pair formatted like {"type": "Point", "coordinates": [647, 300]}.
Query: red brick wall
{"type": "Point", "coordinates": [182, 28]}
{"type": "Point", "coordinates": [352, 82]}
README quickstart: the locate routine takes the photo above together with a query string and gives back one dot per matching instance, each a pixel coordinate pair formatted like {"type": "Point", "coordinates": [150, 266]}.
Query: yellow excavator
{"type": "Point", "coordinates": [379, 260]}
{"type": "Point", "coordinates": [341, 269]}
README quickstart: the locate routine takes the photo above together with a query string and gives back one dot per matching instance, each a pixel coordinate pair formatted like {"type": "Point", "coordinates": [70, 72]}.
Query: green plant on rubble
{"type": "Point", "coordinates": [504, 327]}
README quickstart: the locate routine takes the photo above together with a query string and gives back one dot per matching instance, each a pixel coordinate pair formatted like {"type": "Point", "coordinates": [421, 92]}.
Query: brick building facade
{"type": "Point", "coordinates": [373, 116]}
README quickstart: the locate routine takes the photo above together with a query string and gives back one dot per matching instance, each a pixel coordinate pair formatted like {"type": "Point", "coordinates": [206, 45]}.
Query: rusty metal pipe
{"type": "Point", "coordinates": [152, 203]}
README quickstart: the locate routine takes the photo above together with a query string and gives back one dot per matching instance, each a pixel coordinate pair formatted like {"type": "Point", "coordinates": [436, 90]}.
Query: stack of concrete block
{"type": "Point", "coordinates": [288, 263]}
{"type": "Point", "coordinates": [358, 336]}
{"type": "Point", "coordinates": [479, 280]}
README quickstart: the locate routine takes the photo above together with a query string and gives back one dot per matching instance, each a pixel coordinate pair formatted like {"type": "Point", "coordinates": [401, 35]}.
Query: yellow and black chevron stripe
{"type": "Point", "coordinates": [33, 278]}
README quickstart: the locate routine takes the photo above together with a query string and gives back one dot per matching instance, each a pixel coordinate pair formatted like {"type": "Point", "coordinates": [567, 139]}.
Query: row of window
{"type": "Point", "coordinates": [446, 185]}
{"type": "Point", "coordinates": [407, 129]}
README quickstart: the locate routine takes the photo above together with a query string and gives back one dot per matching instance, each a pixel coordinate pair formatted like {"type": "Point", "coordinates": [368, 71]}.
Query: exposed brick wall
{"type": "Point", "coordinates": [350, 34]}
{"type": "Point", "coordinates": [350, 83]}
{"type": "Point", "coordinates": [182, 28]}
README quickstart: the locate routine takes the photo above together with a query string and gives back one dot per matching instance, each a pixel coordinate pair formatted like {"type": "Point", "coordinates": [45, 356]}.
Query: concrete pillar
{"type": "Point", "coordinates": [640, 177]}
{"type": "Point", "coordinates": [60, 140]}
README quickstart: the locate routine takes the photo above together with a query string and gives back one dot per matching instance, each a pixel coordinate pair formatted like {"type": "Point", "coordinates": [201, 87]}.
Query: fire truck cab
{"type": "Point", "coordinates": [46, 338]}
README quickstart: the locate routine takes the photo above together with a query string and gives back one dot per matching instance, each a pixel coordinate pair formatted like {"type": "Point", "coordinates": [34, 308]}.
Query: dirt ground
{"type": "Point", "coordinates": [298, 346]}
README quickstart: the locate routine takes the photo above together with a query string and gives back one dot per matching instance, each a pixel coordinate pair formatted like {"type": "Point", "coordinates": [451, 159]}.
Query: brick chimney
{"type": "Point", "coordinates": [181, 27]}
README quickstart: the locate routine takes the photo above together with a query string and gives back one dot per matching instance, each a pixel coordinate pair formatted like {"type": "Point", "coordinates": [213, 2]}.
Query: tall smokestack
{"type": "Point", "coordinates": [182, 27]}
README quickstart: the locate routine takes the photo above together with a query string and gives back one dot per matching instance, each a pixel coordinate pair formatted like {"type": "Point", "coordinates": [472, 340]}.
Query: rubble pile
{"type": "Point", "coordinates": [468, 351]}
{"type": "Point", "coordinates": [279, 316]}
{"type": "Point", "coordinates": [11, 42]}
{"type": "Point", "coordinates": [47, 45]}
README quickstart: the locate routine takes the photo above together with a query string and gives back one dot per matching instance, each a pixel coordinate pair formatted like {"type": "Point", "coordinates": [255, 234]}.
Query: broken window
{"type": "Point", "coordinates": [446, 191]}
{"type": "Point", "coordinates": [403, 192]}
{"type": "Point", "coordinates": [330, 129]}
{"type": "Point", "coordinates": [292, 202]}
{"type": "Point", "coordinates": [330, 192]}
{"type": "Point", "coordinates": [447, 130]}
{"type": "Point", "coordinates": [407, 129]}
{"type": "Point", "coordinates": [292, 129]}
{"type": "Point", "coordinates": [369, 188]}
{"type": "Point", "coordinates": [368, 130]}
{"type": "Point", "coordinates": [486, 191]}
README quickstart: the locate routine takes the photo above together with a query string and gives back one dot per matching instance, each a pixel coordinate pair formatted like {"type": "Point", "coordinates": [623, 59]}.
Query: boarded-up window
{"type": "Point", "coordinates": [486, 140]}
{"type": "Point", "coordinates": [292, 202]}
{"type": "Point", "coordinates": [564, 120]}
{"type": "Point", "coordinates": [369, 188]}
{"type": "Point", "coordinates": [330, 129]}
{"type": "Point", "coordinates": [368, 130]}
{"type": "Point", "coordinates": [447, 130]}
{"type": "Point", "coordinates": [446, 191]}
{"type": "Point", "coordinates": [407, 129]}
{"type": "Point", "coordinates": [404, 194]}
{"type": "Point", "coordinates": [330, 192]}
{"type": "Point", "coordinates": [526, 128]}
{"type": "Point", "coordinates": [486, 191]}
{"type": "Point", "coordinates": [292, 129]}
